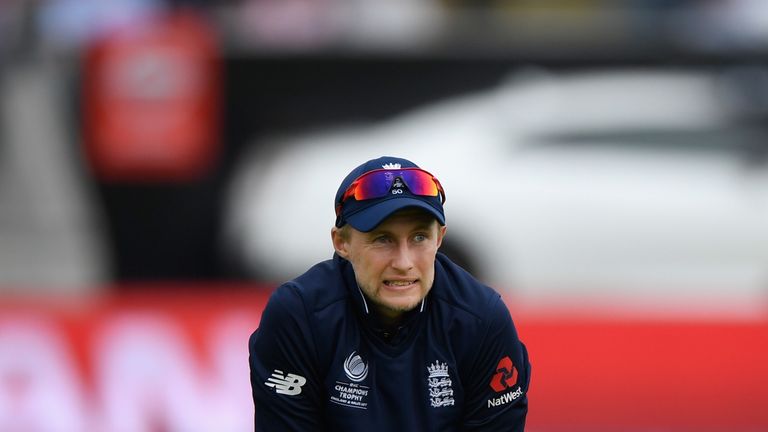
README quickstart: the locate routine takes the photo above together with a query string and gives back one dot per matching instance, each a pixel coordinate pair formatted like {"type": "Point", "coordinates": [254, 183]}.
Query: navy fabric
{"type": "Point", "coordinates": [318, 362]}
{"type": "Point", "coordinates": [366, 215]}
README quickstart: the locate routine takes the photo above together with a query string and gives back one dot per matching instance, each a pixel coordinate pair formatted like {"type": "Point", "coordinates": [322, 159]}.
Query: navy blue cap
{"type": "Point", "coordinates": [368, 214]}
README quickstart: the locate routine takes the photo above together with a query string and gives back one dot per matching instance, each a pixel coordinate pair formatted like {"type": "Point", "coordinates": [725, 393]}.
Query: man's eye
{"type": "Point", "coordinates": [381, 239]}
{"type": "Point", "coordinates": [419, 237]}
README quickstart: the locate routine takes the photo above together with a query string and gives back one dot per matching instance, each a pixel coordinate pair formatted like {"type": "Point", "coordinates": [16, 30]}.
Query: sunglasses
{"type": "Point", "coordinates": [378, 184]}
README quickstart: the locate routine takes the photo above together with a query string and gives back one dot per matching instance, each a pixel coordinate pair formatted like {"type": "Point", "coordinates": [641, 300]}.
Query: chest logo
{"type": "Point", "coordinates": [352, 394]}
{"type": "Point", "coordinates": [355, 368]}
{"type": "Point", "coordinates": [440, 385]}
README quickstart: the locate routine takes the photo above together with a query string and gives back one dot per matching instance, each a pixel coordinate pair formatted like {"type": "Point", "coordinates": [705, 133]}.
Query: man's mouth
{"type": "Point", "coordinates": [400, 283]}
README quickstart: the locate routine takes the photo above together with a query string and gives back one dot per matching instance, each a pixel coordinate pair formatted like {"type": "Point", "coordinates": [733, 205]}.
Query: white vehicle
{"type": "Point", "coordinates": [633, 186]}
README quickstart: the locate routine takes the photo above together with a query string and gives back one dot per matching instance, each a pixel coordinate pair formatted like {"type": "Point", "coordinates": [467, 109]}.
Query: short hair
{"type": "Point", "coordinates": [344, 232]}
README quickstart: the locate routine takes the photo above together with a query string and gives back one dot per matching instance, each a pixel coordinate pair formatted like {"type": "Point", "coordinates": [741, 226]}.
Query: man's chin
{"type": "Point", "coordinates": [402, 306]}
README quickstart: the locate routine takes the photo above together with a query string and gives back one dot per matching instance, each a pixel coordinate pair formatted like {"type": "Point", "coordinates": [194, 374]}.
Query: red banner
{"type": "Point", "coordinates": [170, 358]}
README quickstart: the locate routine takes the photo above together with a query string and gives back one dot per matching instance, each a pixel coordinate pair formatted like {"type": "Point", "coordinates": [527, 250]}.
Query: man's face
{"type": "Point", "coordinates": [395, 263]}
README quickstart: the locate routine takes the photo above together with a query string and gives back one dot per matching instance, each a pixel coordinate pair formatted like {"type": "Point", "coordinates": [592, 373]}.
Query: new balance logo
{"type": "Point", "coordinates": [286, 384]}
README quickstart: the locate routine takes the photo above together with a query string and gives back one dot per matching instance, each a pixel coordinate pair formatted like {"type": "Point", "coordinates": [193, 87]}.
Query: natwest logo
{"type": "Point", "coordinates": [505, 376]}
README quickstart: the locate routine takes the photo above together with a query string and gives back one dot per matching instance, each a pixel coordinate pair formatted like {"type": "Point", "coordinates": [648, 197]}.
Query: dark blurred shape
{"type": "Point", "coordinates": [152, 129]}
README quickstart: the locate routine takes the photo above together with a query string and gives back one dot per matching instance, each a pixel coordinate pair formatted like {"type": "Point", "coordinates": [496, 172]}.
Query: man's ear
{"type": "Point", "coordinates": [339, 242]}
{"type": "Point", "coordinates": [441, 229]}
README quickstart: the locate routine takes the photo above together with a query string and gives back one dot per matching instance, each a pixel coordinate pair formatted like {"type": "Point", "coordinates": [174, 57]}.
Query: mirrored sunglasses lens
{"type": "Point", "coordinates": [420, 183]}
{"type": "Point", "coordinates": [374, 185]}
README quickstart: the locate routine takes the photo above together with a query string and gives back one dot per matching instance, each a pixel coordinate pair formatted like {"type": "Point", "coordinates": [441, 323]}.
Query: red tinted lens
{"type": "Point", "coordinates": [374, 184]}
{"type": "Point", "coordinates": [419, 182]}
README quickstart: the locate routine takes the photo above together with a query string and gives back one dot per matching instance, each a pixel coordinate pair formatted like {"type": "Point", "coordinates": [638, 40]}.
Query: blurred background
{"type": "Point", "coordinates": [164, 165]}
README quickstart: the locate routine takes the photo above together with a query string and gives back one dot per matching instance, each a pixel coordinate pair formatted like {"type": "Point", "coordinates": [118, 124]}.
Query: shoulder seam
{"type": "Point", "coordinates": [495, 297]}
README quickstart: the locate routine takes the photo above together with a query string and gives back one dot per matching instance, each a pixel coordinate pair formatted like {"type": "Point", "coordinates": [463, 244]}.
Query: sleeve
{"type": "Point", "coordinates": [285, 382]}
{"type": "Point", "coordinates": [498, 378]}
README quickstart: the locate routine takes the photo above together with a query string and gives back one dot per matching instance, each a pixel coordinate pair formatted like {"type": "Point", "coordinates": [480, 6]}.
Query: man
{"type": "Point", "coordinates": [389, 335]}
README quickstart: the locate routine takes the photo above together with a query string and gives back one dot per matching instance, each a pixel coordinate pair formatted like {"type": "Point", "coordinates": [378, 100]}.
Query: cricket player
{"type": "Point", "coordinates": [389, 334]}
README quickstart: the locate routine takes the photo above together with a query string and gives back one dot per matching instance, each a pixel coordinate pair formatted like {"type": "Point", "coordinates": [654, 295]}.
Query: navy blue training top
{"type": "Point", "coordinates": [320, 363]}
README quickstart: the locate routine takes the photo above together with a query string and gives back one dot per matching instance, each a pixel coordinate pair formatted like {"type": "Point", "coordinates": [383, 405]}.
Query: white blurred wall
{"type": "Point", "coordinates": [50, 232]}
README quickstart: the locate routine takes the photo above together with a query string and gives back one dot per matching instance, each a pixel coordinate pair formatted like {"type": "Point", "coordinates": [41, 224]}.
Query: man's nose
{"type": "Point", "coordinates": [403, 257]}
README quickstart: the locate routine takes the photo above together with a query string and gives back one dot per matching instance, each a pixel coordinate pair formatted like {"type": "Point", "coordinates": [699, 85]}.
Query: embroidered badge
{"type": "Point", "coordinates": [440, 385]}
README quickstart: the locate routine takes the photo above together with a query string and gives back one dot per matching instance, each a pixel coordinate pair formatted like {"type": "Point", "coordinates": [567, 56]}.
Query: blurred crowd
{"type": "Point", "coordinates": [413, 26]}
